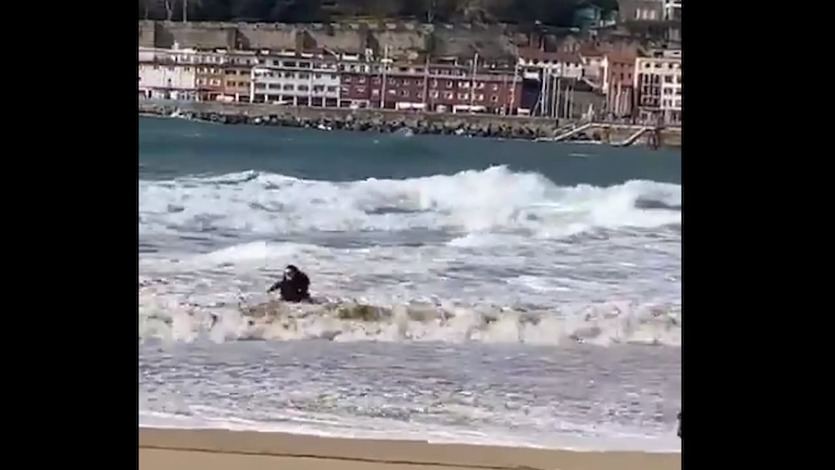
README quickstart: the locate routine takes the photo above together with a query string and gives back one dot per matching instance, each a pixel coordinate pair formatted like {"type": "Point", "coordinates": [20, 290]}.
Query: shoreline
{"type": "Point", "coordinates": [215, 449]}
{"type": "Point", "coordinates": [391, 121]}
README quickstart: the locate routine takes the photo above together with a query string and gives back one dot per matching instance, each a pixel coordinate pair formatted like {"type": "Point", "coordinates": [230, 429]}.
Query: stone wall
{"type": "Point", "coordinates": [273, 36]}
{"type": "Point", "coordinates": [202, 35]}
{"type": "Point", "coordinates": [386, 121]}
{"type": "Point", "coordinates": [491, 42]}
{"type": "Point", "coordinates": [405, 40]}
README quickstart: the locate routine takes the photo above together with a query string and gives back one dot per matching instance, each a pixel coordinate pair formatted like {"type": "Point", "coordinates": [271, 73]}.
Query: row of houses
{"type": "Point", "coordinates": [539, 83]}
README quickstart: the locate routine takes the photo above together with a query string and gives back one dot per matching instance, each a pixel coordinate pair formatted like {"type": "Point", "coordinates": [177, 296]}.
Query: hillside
{"type": "Point", "coordinates": [549, 12]}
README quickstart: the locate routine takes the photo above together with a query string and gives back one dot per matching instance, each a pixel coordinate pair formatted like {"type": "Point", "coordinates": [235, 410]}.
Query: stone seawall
{"type": "Point", "coordinates": [385, 121]}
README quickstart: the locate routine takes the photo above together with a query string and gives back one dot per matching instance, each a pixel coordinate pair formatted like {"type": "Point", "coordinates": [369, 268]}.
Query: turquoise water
{"type": "Point", "coordinates": [171, 148]}
{"type": "Point", "coordinates": [538, 284]}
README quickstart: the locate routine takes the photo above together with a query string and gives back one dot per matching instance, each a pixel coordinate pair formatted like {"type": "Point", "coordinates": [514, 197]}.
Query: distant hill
{"type": "Point", "coordinates": [547, 12]}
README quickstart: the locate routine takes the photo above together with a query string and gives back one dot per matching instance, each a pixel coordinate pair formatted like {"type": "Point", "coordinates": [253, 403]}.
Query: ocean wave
{"type": "Point", "coordinates": [492, 200]}
{"type": "Point", "coordinates": [604, 324]}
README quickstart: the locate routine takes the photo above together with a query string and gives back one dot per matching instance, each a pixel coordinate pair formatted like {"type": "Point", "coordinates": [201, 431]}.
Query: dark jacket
{"type": "Point", "coordinates": [293, 290]}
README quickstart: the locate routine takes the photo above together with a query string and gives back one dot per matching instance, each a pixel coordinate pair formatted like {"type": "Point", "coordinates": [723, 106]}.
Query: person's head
{"type": "Point", "coordinates": [290, 271]}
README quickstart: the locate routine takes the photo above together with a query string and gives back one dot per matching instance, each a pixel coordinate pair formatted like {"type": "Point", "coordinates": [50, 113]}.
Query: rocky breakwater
{"type": "Point", "coordinates": [364, 120]}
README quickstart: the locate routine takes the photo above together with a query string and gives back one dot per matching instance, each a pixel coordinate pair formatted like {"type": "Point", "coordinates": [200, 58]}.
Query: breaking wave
{"type": "Point", "coordinates": [490, 243]}
{"type": "Point", "coordinates": [492, 200]}
{"type": "Point", "coordinates": [602, 325]}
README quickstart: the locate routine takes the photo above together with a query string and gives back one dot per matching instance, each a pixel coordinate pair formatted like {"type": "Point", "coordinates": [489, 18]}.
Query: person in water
{"type": "Point", "coordinates": [293, 286]}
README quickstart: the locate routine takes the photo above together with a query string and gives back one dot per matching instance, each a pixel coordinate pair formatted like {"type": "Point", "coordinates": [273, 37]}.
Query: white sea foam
{"type": "Point", "coordinates": [602, 325]}
{"type": "Point", "coordinates": [470, 201]}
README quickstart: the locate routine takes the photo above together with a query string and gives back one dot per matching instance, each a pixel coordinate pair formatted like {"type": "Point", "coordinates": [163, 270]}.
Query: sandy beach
{"type": "Point", "coordinates": [161, 449]}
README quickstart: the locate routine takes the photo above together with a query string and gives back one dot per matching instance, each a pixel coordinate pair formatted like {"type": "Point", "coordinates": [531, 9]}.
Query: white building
{"type": "Point", "coordinates": [658, 87]}
{"type": "Point", "coordinates": [553, 64]}
{"type": "Point", "coordinates": [672, 10]}
{"type": "Point", "coordinates": [594, 68]}
{"type": "Point", "coordinates": [298, 81]}
{"type": "Point", "coordinates": [173, 81]}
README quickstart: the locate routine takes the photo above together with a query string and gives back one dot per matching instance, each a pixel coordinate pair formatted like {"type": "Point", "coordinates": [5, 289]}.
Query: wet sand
{"type": "Point", "coordinates": [162, 449]}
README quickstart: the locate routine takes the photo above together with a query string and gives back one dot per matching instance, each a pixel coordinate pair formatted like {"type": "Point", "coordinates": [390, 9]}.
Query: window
{"type": "Point", "coordinates": [318, 75]}
{"type": "Point", "coordinates": [480, 85]}
{"type": "Point", "coordinates": [404, 92]}
{"type": "Point", "coordinates": [331, 89]}
{"type": "Point", "coordinates": [449, 95]}
{"type": "Point", "coordinates": [304, 76]}
{"type": "Point", "coordinates": [678, 92]}
{"type": "Point", "coordinates": [260, 86]}
{"type": "Point", "coordinates": [433, 94]}
{"type": "Point", "coordinates": [393, 81]}
{"type": "Point", "coordinates": [494, 98]}
{"type": "Point", "coordinates": [668, 79]}
{"type": "Point", "coordinates": [375, 92]}
{"type": "Point", "coordinates": [214, 82]}
{"type": "Point", "coordinates": [622, 77]}
{"type": "Point", "coordinates": [345, 89]}
{"type": "Point", "coordinates": [346, 79]}
{"type": "Point", "coordinates": [230, 72]}
{"type": "Point", "coordinates": [288, 87]}
{"type": "Point", "coordinates": [480, 97]}
{"type": "Point", "coordinates": [289, 64]}
{"type": "Point", "coordinates": [434, 84]}
{"type": "Point", "coordinates": [375, 80]}
{"type": "Point", "coordinates": [303, 88]}
{"type": "Point", "coordinates": [361, 80]}
{"type": "Point", "coordinates": [392, 91]}
{"type": "Point", "coordinates": [495, 87]}
{"type": "Point", "coordinates": [463, 84]}
{"type": "Point", "coordinates": [275, 62]}
{"type": "Point", "coordinates": [463, 96]}
{"type": "Point", "coordinates": [658, 65]}
{"type": "Point", "coordinates": [188, 69]}
{"type": "Point", "coordinates": [449, 83]}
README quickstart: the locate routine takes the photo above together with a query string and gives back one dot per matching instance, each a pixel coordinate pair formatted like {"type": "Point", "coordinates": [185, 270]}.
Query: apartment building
{"type": "Point", "coordinates": [296, 80]}
{"type": "Point", "coordinates": [658, 87]}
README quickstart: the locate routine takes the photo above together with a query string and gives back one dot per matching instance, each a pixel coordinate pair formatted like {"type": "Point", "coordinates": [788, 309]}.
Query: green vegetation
{"type": "Point", "coordinates": [548, 12]}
